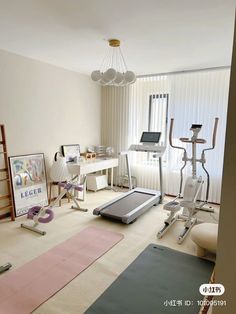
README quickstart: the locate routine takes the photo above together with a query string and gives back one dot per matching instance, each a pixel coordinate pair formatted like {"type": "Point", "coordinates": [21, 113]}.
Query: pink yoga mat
{"type": "Point", "coordinates": [24, 289]}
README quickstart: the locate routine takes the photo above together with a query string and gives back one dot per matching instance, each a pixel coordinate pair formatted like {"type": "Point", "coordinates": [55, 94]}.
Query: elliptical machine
{"type": "Point", "coordinates": [193, 185]}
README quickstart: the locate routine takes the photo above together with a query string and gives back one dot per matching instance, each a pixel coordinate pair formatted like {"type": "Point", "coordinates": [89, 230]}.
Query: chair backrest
{"type": "Point", "coordinates": [59, 171]}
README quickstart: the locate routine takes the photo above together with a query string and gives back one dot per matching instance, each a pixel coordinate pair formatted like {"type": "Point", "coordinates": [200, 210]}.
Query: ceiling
{"type": "Point", "coordinates": [156, 35]}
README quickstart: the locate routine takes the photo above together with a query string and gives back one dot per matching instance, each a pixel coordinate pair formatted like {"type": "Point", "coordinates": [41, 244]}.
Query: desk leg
{"type": "Point", "coordinates": [107, 175]}
{"type": "Point", "coordinates": [112, 174]}
{"type": "Point", "coordinates": [111, 187]}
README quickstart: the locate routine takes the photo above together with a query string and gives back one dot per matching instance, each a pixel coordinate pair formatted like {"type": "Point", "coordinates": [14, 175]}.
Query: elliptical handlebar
{"type": "Point", "coordinates": [185, 155]}
{"type": "Point", "coordinates": [170, 136]}
{"type": "Point", "coordinates": [213, 136]}
{"type": "Point", "coordinates": [204, 160]}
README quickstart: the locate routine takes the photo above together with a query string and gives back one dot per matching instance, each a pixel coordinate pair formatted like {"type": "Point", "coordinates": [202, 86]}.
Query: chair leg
{"type": "Point", "coordinates": [50, 193]}
{"type": "Point", "coordinates": [68, 197]}
{"type": "Point", "coordinates": [84, 188]}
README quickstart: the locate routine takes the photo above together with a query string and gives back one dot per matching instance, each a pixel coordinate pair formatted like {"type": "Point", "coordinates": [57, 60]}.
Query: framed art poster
{"type": "Point", "coordinates": [29, 184]}
{"type": "Point", "coordinates": [71, 152]}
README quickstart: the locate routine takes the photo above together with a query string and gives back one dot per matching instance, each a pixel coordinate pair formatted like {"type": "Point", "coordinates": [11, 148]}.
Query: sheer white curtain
{"type": "Point", "coordinates": [194, 97]}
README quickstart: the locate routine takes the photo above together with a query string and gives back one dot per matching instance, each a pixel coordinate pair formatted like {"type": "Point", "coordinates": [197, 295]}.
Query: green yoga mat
{"type": "Point", "coordinates": [160, 280]}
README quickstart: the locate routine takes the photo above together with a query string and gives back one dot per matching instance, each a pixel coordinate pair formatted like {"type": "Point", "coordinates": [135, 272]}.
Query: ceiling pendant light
{"type": "Point", "coordinates": [113, 70]}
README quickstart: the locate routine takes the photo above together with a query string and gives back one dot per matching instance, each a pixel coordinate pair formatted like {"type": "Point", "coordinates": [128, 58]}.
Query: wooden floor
{"type": "Point", "coordinates": [19, 246]}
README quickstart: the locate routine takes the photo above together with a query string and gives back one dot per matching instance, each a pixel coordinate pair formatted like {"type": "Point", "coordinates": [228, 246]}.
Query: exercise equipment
{"type": "Point", "coordinates": [24, 289]}
{"type": "Point", "coordinates": [149, 141]}
{"type": "Point", "coordinates": [5, 267]}
{"type": "Point", "coordinates": [189, 202]}
{"type": "Point", "coordinates": [45, 214]}
{"type": "Point", "coordinates": [159, 280]}
{"type": "Point", "coordinates": [130, 205]}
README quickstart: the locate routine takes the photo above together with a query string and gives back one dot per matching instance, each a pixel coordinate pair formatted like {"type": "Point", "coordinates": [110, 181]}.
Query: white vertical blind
{"type": "Point", "coordinates": [194, 97]}
{"type": "Point", "coordinates": [115, 121]}
{"type": "Point", "coordinates": [199, 97]}
{"type": "Point", "coordinates": [158, 113]}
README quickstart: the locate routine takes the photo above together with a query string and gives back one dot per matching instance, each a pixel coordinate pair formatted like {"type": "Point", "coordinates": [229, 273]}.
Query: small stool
{"type": "Point", "coordinates": [51, 184]}
{"type": "Point", "coordinates": [205, 237]}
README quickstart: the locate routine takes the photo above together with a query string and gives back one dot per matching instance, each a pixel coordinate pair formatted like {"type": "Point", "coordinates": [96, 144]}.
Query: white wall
{"type": "Point", "coordinates": [43, 106]}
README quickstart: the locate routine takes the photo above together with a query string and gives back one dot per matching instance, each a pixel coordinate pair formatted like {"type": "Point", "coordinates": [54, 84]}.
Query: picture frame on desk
{"type": "Point", "coordinates": [29, 182]}
{"type": "Point", "coordinates": [71, 152]}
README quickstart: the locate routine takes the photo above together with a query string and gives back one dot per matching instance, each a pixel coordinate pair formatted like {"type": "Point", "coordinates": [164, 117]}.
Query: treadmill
{"type": "Point", "coordinates": [130, 205]}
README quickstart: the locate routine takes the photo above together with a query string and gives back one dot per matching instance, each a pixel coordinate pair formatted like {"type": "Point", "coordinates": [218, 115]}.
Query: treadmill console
{"type": "Point", "coordinates": [150, 137]}
{"type": "Point", "coordinates": [149, 141]}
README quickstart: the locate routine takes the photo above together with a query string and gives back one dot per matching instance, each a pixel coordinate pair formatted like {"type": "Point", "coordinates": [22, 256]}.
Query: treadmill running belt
{"type": "Point", "coordinates": [126, 204]}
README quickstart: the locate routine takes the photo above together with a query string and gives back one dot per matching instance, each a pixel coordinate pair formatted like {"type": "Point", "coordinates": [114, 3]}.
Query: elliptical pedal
{"type": "Point", "coordinates": [172, 206]}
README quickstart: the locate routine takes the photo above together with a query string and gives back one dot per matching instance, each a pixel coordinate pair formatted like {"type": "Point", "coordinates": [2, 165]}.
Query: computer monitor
{"type": "Point", "coordinates": [150, 137]}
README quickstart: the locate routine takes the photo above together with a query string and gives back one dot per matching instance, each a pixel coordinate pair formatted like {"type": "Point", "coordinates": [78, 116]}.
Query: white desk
{"type": "Point", "coordinates": [90, 166]}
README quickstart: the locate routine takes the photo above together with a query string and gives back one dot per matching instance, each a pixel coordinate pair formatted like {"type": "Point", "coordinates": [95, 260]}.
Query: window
{"type": "Point", "coordinates": [158, 111]}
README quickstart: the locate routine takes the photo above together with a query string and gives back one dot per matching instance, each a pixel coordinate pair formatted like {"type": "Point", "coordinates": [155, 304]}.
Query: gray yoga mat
{"type": "Point", "coordinates": [159, 274]}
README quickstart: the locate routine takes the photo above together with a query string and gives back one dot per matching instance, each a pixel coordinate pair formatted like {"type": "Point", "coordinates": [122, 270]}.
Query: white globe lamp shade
{"type": "Point", "coordinates": [96, 76]}
{"type": "Point", "coordinates": [105, 79]}
{"type": "Point", "coordinates": [123, 82]}
{"type": "Point", "coordinates": [110, 75]}
{"type": "Point", "coordinates": [103, 83]}
{"type": "Point", "coordinates": [130, 77]}
{"type": "Point", "coordinates": [119, 78]}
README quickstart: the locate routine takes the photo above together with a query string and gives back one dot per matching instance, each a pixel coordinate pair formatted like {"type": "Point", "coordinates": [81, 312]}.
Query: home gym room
{"type": "Point", "coordinates": [117, 174]}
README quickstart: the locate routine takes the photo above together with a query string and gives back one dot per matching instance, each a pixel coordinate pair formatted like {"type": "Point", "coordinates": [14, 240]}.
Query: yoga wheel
{"type": "Point", "coordinates": [34, 211]}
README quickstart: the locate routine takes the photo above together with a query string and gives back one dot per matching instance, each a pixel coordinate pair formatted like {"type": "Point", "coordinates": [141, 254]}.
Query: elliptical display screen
{"type": "Point", "coordinates": [150, 137]}
{"type": "Point", "coordinates": [196, 126]}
